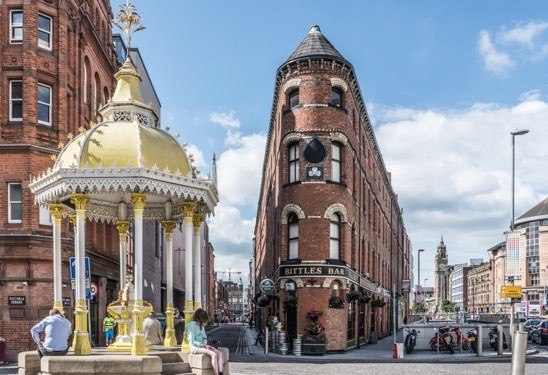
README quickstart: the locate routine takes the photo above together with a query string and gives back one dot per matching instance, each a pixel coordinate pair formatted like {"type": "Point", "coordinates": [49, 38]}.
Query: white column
{"type": "Point", "coordinates": [56, 211]}
{"type": "Point", "coordinates": [170, 339]}
{"type": "Point", "coordinates": [139, 311]}
{"type": "Point", "coordinates": [197, 260]}
{"type": "Point", "coordinates": [81, 342]}
{"type": "Point", "coordinates": [123, 227]}
{"type": "Point", "coordinates": [188, 209]}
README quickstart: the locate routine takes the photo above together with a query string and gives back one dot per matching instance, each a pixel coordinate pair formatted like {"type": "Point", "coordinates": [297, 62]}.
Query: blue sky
{"type": "Point", "coordinates": [445, 82]}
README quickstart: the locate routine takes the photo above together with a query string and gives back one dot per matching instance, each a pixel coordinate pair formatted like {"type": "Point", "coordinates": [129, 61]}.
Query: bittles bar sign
{"type": "Point", "coordinates": [323, 270]}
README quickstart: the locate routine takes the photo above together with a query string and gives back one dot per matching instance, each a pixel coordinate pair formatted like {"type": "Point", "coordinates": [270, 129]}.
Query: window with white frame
{"type": "Point", "coordinates": [334, 236]}
{"type": "Point", "coordinates": [293, 236]}
{"type": "Point", "coordinates": [16, 26]}
{"type": "Point", "coordinates": [293, 162]}
{"type": "Point", "coordinates": [15, 207]}
{"type": "Point", "coordinates": [44, 31]}
{"type": "Point", "coordinates": [16, 100]}
{"type": "Point", "coordinates": [45, 216]}
{"type": "Point", "coordinates": [44, 104]}
{"type": "Point", "coordinates": [336, 162]}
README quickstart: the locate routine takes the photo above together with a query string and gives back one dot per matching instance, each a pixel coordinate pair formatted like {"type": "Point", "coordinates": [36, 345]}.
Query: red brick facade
{"type": "Point", "coordinates": [373, 245]}
{"type": "Point", "coordinates": [81, 58]}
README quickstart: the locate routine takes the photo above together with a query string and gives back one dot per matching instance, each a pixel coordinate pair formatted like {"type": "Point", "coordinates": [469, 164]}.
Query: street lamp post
{"type": "Point", "coordinates": [512, 225]}
{"type": "Point", "coordinates": [517, 132]}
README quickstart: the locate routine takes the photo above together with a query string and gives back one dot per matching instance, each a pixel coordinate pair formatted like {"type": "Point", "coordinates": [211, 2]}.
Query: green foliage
{"type": "Point", "coordinates": [447, 306]}
{"type": "Point", "coordinates": [418, 307]}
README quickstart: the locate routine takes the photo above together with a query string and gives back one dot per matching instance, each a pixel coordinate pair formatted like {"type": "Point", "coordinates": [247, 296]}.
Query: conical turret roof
{"type": "Point", "coordinates": [315, 44]}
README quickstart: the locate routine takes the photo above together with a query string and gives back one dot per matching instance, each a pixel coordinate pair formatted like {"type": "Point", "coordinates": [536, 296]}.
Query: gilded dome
{"type": "Point", "coordinates": [128, 137]}
{"type": "Point", "coordinates": [123, 144]}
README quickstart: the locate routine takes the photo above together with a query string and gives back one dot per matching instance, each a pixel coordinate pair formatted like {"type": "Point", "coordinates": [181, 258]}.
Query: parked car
{"type": "Point", "coordinates": [530, 324]}
{"type": "Point", "coordinates": [539, 334]}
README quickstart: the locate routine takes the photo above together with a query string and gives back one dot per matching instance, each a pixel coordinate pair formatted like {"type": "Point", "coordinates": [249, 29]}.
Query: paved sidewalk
{"type": "Point", "coordinates": [380, 352]}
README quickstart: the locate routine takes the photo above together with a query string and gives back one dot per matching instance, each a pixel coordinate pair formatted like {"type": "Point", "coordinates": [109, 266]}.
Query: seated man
{"type": "Point", "coordinates": [57, 334]}
{"type": "Point", "coordinates": [152, 329]}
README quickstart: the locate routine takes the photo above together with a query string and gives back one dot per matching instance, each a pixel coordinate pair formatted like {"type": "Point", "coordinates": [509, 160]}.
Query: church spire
{"type": "Point", "coordinates": [442, 250]}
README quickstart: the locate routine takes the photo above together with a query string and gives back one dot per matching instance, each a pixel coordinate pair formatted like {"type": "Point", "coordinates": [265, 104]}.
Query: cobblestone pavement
{"type": "Point", "coordinates": [241, 368]}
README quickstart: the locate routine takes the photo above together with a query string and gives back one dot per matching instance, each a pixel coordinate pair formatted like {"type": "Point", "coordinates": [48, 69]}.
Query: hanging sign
{"type": "Point", "coordinates": [405, 285]}
{"type": "Point", "coordinates": [267, 286]}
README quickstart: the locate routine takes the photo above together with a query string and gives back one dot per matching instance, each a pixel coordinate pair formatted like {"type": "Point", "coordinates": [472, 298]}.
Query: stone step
{"type": "Point", "coordinates": [175, 368]}
{"type": "Point", "coordinates": [171, 357]}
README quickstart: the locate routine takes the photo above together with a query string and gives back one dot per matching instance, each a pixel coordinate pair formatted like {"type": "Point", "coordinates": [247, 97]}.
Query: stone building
{"type": "Point", "coordinates": [56, 70]}
{"type": "Point", "coordinates": [480, 289]}
{"type": "Point", "coordinates": [328, 222]}
{"type": "Point", "coordinates": [497, 256]}
{"type": "Point", "coordinates": [532, 227]}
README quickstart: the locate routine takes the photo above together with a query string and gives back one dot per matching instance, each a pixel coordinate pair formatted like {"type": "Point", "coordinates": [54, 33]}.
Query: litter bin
{"type": "Point", "coordinates": [2, 352]}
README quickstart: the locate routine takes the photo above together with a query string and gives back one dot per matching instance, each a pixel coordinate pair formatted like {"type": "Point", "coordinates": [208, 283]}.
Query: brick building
{"type": "Point", "coordinates": [328, 221]}
{"type": "Point", "coordinates": [56, 69]}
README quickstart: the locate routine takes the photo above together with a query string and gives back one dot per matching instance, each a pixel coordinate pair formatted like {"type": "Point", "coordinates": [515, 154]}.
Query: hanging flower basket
{"type": "Point", "coordinates": [353, 296]}
{"type": "Point", "coordinates": [336, 303]}
{"type": "Point", "coordinates": [263, 301]}
{"type": "Point", "coordinates": [379, 302]}
{"type": "Point", "coordinates": [313, 315]}
{"type": "Point", "coordinates": [364, 298]}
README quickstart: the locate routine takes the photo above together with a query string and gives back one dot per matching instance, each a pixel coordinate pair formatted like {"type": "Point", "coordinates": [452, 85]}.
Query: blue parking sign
{"type": "Point", "coordinates": [72, 261]}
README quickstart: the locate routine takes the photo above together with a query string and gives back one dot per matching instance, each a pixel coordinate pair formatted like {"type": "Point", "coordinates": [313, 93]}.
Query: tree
{"type": "Point", "coordinates": [418, 307]}
{"type": "Point", "coordinates": [447, 306]}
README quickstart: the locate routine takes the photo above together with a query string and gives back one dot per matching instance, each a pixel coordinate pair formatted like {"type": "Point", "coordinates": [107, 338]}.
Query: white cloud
{"type": "Point", "coordinates": [494, 60]}
{"type": "Point", "coordinates": [226, 119]}
{"type": "Point", "coordinates": [198, 155]}
{"type": "Point", "coordinates": [240, 169]}
{"type": "Point", "coordinates": [228, 226]}
{"type": "Point", "coordinates": [452, 172]}
{"type": "Point", "coordinates": [523, 33]}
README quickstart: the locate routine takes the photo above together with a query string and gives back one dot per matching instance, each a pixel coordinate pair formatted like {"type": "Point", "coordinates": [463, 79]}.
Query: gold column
{"type": "Point", "coordinates": [197, 259]}
{"type": "Point", "coordinates": [81, 342]}
{"type": "Point", "coordinates": [188, 209]}
{"type": "Point", "coordinates": [139, 346]}
{"type": "Point", "coordinates": [170, 339]}
{"type": "Point", "coordinates": [57, 211]}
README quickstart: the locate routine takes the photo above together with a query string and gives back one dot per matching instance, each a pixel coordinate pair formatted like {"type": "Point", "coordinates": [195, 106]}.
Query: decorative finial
{"type": "Point", "coordinates": [129, 22]}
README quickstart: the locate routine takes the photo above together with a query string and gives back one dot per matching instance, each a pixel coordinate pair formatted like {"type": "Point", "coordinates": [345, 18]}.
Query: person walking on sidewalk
{"type": "Point", "coordinates": [108, 327]}
{"type": "Point", "coordinates": [57, 334]}
{"type": "Point", "coordinates": [197, 338]}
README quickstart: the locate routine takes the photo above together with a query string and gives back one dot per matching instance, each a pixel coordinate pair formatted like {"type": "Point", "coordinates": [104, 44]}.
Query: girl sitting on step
{"type": "Point", "coordinates": [197, 338]}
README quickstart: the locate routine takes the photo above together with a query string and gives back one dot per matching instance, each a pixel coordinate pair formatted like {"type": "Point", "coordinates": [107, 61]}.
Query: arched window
{"type": "Point", "coordinates": [336, 162]}
{"type": "Point", "coordinates": [335, 289]}
{"type": "Point", "coordinates": [105, 96]}
{"type": "Point", "coordinates": [86, 79]}
{"type": "Point", "coordinates": [293, 158]}
{"type": "Point", "coordinates": [96, 93]}
{"type": "Point", "coordinates": [293, 98]}
{"type": "Point", "coordinates": [293, 236]}
{"type": "Point", "coordinates": [336, 97]}
{"type": "Point", "coordinates": [335, 237]}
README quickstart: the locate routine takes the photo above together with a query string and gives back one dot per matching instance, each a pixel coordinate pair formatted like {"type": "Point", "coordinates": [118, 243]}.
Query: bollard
{"type": "Point", "coordinates": [518, 354]}
{"type": "Point", "coordinates": [501, 339]}
{"type": "Point", "coordinates": [266, 340]}
{"type": "Point", "coordinates": [479, 341]}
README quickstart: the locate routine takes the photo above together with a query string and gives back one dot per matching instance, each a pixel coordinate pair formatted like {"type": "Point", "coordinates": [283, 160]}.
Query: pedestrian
{"type": "Point", "coordinates": [250, 322]}
{"type": "Point", "coordinates": [405, 320]}
{"type": "Point", "coordinates": [179, 326]}
{"type": "Point", "coordinates": [259, 337]}
{"type": "Point", "coordinates": [57, 334]}
{"type": "Point", "coordinates": [197, 338]}
{"type": "Point", "coordinates": [108, 327]}
{"type": "Point", "coordinates": [153, 330]}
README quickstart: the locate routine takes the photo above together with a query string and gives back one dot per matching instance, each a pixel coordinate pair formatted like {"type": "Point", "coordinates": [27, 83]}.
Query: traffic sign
{"type": "Point", "coordinates": [511, 291]}
{"type": "Point", "coordinates": [94, 289]}
{"type": "Point", "coordinates": [72, 261]}
{"type": "Point", "coordinates": [267, 286]}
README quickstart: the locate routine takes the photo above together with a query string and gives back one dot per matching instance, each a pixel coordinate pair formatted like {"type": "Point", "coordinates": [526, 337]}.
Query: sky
{"type": "Point", "coordinates": [445, 83]}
